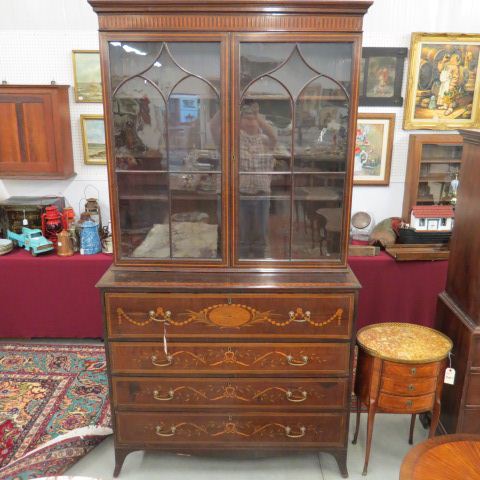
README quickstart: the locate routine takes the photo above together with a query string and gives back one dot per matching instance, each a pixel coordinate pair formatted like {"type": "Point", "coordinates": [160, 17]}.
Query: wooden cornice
{"type": "Point", "coordinates": [471, 136]}
{"type": "Point", "coordinates": [145, 7]}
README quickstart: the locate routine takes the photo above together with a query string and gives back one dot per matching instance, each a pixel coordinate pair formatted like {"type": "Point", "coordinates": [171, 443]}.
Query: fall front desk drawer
{"type": "Point", "coordinates": [171, 393]}
{"type": "Point", "coordinates": [210, 358]}
{"type": "Point", "coordinates": [213, 429]}
{"type": "Point", "coordinates": [237, 315]}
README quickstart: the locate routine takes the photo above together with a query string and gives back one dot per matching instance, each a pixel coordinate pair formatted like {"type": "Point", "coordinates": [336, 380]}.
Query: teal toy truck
{"type": "Point", "coordinates": [31, 239]}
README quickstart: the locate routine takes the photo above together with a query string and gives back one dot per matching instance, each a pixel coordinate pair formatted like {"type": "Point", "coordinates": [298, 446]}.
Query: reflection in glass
{"type": "Point", "coordinates": [294, 108]}
{"type": "Point", "coordinates": [318, 203]}
{"type": "Point", "coordinates": [139, 127]}
{"type": "Point", "coordinates": [166, 112]}
{"type": "Point", "coordinates": [264, 216]}
{"type": "Point", "coordinates": [192, 130]}
{"type": "Point", "coordinates": [196, 209]}
{"type": "Point", "coordinates": [321, 127]}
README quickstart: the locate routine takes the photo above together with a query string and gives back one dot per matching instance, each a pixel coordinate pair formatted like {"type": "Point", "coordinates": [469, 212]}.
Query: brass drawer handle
{"type": "Point", "coordinates": [409, 403]}
{"type": "Point", "coordinates": [297, 363]}
{"type": "Point", "coordinates": [413, 371]}
{"type": "Point", "coordinates": [297, 399]}
{"type": "Point", "coordinates": [166, 317]}
{"type": "Point", "coordinates": [299, 316]}
{"type": "Point", "coordinates": [289, 434]}
{"type": "Point", "coordinates": [160, 433]}
{"type": "Point", "coordinates": [167, 363]}
{"type": "Point", "coordinates": [411, 387]}
{"type": "Point", "coordinates": [157, 396]}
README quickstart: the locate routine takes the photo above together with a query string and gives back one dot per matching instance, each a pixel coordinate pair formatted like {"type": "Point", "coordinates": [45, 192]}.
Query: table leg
{"type": "Point", "coordinates": [435, 418]}
{"type": "Point", "coordinates": [412, 426]}
{"type": "Point", "coordinates": [371, 417]}
{"type": "Point", "coordinates": [357, 424]}
{"type": "Point", "coordinates": [120, 455]}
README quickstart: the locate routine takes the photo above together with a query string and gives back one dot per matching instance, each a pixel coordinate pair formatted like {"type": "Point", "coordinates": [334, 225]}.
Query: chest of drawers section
{"type": "Point", "coordinates": [219, 371]}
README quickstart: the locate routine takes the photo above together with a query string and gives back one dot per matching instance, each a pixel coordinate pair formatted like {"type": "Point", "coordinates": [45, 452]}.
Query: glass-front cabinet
{"type": "Point", "coordinates": [231, 150]}
{"type": "Point", "coordinates": [433, 168]}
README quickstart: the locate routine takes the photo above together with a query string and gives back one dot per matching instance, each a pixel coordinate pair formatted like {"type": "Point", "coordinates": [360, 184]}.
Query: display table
{"type": "Point", "coordinates": [51, 296]}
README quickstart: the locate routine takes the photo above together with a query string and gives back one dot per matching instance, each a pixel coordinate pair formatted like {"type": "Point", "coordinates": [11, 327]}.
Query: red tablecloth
{"type": "Point", "coordinates": [51, 296]}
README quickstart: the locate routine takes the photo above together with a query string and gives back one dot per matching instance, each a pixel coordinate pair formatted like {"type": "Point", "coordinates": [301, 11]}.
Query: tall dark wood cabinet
{"type": "Point", "coordinates": [230, 308]}
{"type": "Point", "coordinates": [458, 309]}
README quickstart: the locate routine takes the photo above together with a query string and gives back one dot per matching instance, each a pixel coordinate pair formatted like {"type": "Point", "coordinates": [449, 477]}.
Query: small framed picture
{"type": "Point", "coordinates": [443, 90]}
{"type": "Point", "coordinates": [373, 148]}
{"type": "Point", "coordinates": [93, 136]}
{"type": "Point", "coordinates": [87, 76]}
{"type": "Point", "coordinates": [381, 77]}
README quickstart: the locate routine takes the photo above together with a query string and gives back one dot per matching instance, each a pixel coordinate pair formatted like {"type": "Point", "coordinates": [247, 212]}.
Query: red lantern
{"type": "Point", "coordinates": [68, 217]}
{"type": "Point", "coordinates": [51, 223]}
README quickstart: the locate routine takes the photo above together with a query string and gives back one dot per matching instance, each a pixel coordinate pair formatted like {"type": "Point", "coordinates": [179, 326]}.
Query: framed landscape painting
{"type": "Point", "coordinates": [381, 77]}
{"type": "Point", "coordinates": [87, 76]}
{"type": "Point", "coordinates": [93, 135]}
{"type": "Point", "coordinates": [373, 148]}
{"type": "Point", "coordinates": [443, 90]}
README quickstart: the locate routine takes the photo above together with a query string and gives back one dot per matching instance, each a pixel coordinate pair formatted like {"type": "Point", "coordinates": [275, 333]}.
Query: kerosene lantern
{"type": "Point", "coordinates": [51, 223]}
{"type": "Point", "coordinates": [68, 217]}
{"type": "Point", "coordinates": [93, 208]}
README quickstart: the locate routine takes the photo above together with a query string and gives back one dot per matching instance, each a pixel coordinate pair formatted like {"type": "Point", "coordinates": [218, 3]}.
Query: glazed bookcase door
{"type": "Point", "coordinates": [166, 110]}
{"type": "Point", "coordinates": [293, 141]}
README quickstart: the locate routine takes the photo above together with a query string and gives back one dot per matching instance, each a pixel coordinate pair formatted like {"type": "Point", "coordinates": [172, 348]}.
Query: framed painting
{"type": "Point", "coordinates": [93, 136]}
{"type": "Point", "coordinates": [381, 77]}
{"type": "Point", "coordinates": [87, 76]}
{"type": "Point", "coordinates": [443, 82]}
{"type": "Point", "coordinates": [373, 148]}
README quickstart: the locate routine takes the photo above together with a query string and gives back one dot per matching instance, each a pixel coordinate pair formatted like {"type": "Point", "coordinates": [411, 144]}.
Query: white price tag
{"type": "Point", "coordinates": [59, 244]}
{"type": "Point", "coordinates": [82, 251]}
{"type": "Point", "coordinates": [25, 222]}
{"type": "Point", "coordinates": [450, 376]}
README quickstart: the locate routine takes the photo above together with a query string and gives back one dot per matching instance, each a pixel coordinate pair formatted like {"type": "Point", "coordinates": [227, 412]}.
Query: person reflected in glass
{"type": "Point", "coordinates": [257, 143]}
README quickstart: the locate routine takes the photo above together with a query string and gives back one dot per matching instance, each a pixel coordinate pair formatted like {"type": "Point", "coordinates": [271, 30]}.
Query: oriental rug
{"type": "Point", "coordinates": [53, 407]}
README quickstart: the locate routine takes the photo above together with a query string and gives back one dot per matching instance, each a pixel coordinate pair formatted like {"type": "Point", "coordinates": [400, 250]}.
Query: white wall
{"type": "Point", "coordinates": [37, 37]}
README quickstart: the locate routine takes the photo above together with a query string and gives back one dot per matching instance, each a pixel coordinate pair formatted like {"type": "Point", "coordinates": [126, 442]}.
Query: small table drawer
{"type": "Point", "coordinates": [211, 393]}
{"type": "Point", "coordinates": [399, 404]}
{"type": "Point", "coordinates": [214, 429]}
{"type": "Point", "coordinates": [392, 369]}
{"type": "Point", "coordinates": [233, 315]}
{"type": "Point", "coordinates": [416, 386]}
{"type": "Point", "coordinates": [213, 358]}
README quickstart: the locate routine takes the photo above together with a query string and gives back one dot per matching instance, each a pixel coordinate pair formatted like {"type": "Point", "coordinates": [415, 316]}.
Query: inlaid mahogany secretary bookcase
{"type": "Point", "coordinates": [230, 308]}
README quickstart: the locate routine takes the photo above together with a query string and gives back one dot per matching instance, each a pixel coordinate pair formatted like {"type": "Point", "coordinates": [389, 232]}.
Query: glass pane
{"type": "Point", "coordinates": [434, 192]}
{"type": "Point", "coordinates": [194, 127]}
{"type": "Point", "coordinates": [321, 126]}
{"type": "Point", "coordinates": [196, 215]}
{"type": "Point", "coordinates": [318, 205]}
{"type": "Point", "coordinates": [257, 59]}
{"type": "Point", "coordinates": [264, 216]}
{"type": "Point", "coordinates": [143, 204]}
{"type": "Point", "coordinates": [436, 152]}
{"type": "Point", "coordinates": [139, 127]}
{"type": "Point", "coordinates": [265, 127]}
{"type": "Point", "coordinates": [381, 76]}
{"type": "Point", "coordinates": [166, 111]}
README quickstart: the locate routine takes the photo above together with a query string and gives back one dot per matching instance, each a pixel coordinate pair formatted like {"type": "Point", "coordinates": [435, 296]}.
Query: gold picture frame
{"type": "Point", "coordinates": [87, 76]}
{"type": "Point", "coordinates": [93, 139]}
{"type": "Point", "coordinates": [443, 84]}
{"type": "Point", "coordinates": [373, 149]}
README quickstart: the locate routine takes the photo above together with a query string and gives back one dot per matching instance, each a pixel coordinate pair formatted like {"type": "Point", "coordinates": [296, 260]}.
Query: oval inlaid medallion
{"type": "Point", "coordinates": [229, 315]}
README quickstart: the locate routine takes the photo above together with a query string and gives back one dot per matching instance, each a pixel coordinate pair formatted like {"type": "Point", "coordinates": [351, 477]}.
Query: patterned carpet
{"type": "Point", "coordinates": [53, 407]}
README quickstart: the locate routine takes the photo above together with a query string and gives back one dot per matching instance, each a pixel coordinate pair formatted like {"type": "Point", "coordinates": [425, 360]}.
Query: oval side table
{"type": "Point", "coordinates": [448, 457]}
{"type": "Point", "coordinates": [400, 369]}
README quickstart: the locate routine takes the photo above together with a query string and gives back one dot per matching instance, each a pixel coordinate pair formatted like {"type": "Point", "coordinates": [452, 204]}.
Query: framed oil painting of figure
{"type": "Point", "coordinates": [443, 91]}
{"type": "Point", "coordinates": [87, 76]}
{"type": "Point", "coordinates": [373, 148]}
{"type": "Point", "coordinates": [381, 77]}
{"type": "Point", "coordinates": [93, 136]}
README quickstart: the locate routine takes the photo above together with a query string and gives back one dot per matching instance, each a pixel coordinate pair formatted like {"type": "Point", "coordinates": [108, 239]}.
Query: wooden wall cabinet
{"type": "Point", "coordinates": [36, 137]}
{"type": "Point", "coordinates": [458, 309]}
{"type": "Point", "coordinates": [230, 309]}
{"type": "Point", "coordinates": [433, 162]}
